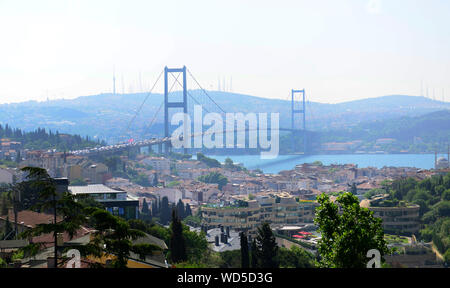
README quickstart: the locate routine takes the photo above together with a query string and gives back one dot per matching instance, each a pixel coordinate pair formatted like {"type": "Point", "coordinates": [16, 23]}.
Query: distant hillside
{"type": "Point", "coordinates": [40, 139]}
{"type": "Point", "coordinates": [422, 133]}
{"type": "Point", "coordinates": [107, 116]}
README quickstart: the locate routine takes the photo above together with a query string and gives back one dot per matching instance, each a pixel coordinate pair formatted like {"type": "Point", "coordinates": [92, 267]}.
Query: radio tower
{"type": "Point", "coordinates": [114, 81]}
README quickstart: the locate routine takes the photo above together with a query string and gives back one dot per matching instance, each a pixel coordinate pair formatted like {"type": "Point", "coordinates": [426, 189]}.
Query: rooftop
{"type": "Point", "coordinates": [93, 189]}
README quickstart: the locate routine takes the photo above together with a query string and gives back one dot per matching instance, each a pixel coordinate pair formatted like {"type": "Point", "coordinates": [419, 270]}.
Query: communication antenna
{"type": "Point", "coordinates": [114, 80]}
{"type": "Point", "coordinates": [123, 86]}
{"type": "Point", "coordinates": [421, 88]}
{"type": "Point", "coordinates": [140, 82]}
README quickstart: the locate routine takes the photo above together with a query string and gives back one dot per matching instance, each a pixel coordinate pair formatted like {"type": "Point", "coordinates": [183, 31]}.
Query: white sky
{"type": "Point", "coordinates": [337, 50]}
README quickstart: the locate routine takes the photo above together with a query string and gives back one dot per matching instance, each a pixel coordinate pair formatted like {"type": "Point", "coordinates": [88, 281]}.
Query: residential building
{"type": "Point", "coordinates": [116, 201]}
{"type": "Point", "coordinates": [248, 215]}
{"type": "Point", "coordinates": [401, 219]}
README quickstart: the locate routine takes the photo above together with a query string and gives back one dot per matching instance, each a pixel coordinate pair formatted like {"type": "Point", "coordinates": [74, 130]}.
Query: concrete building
{"type": "Point", "coordinates": [160, 164]}
{"type": "Point", "coordinates": [6, 176]}
{"type": "Point", "coordinates": [116, 201]}
{"type": "Point", "coordinates": [248, 215]}
{"type": "Point", "coordinates": [402, 219]}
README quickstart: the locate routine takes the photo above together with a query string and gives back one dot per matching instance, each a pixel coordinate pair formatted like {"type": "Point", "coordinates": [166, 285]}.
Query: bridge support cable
{"type": "Point", "coordinates": [143, 102]}
{"type": "Point", "coordinates": [160, 106]}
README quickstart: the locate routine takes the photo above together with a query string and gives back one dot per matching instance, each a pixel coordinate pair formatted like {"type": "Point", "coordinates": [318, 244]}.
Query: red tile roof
{"type": "Point", "coordinates": [30, 218]}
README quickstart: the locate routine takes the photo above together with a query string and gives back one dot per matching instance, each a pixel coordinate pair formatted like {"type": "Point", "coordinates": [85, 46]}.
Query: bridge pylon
{"type": "Point", "coordinates": [168, 104]}
{"type": "Point", "coordinates": [298, 110]}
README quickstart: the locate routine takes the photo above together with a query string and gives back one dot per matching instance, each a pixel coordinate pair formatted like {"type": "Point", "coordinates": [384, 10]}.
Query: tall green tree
{"type": "Point", "coordinates": [188, 211]}
{"type": "Point", "coordinates": [245, 261]}
{"type": "Point", "coordinates": [145, 209]}
{"type": "Point", "coordinates": [7, 234]}
{"type": "Point", "coordinates": [165, 211]}
{"type": "Point", "coordinates": [348, 232]}
{"type": "Point", "coordinates": [267, 247]}
{"type": "Point", "coordinates": [114, 236]}
{"type": "Point", "coordinates": [4, 210]}
{"type": "Point", "coordinates": [353, 189]}
{"type": "Point", "coordinates": [180, 209]}
{"type": "Point", "coordinates": [177, 241]}
{"type": "Point", "coordinates": [60, 204]}
{"type": "Point", "coordinates": [254, 254]}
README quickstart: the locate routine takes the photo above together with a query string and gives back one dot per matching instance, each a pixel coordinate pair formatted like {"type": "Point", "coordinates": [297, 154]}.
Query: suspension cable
{"type": "Point", "coordinates": [140, 108]}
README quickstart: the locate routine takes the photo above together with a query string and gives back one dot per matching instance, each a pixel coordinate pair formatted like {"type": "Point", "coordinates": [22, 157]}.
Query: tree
{"type": "Point", "coordinates": [347, 236]}
{"type": "Point", "coordinates": [145, 212]}
{"type": "Point", "coordinates": [155, 180]}
{"type": "Point", "coordinates": [210, 162]}
{"type": "Point", "coordinates": [214, 177]}
{"type": "Point", "coordinates": [267, 247]}
{"type": "Point", "coordinates": [245, 261]}
{"type": "Point", "coordinates": [114, 236]}
{"type": "Point", "coordinates": [155, 211]}
{"type": "Point", "coordinates": [353, 189]}
{"type": "Point", "coordinates": [295, 258]}
{"type": "Point", "coordinates": [4, 210]}
{"type": "Point", "coordinates": [254, 254]}
{"type": "Point", "coordinates": [188, 211]}
{"type": "Point", "coordinates": [145, 209]}
{"type": "Point", "coordinates": [177, 242]}
{"type": "Point", "coordinates": [165, 211]}
{"type": "Point", "coordinates": [180, 209]}
{"type": "Point", "coordinates": [7, 234]}
{"type": "Point", "coordinates": [63, 205]}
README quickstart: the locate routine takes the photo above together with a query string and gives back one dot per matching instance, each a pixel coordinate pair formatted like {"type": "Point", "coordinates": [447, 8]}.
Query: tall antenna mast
{"type": "Point", "coordinates": [231, 84]}
{"type": "Point", "coordinates": [114, 80]}
{"type": "Point", "coordinates": [421, 88]}
{"type": "Point", "coordinates": [123, 86]}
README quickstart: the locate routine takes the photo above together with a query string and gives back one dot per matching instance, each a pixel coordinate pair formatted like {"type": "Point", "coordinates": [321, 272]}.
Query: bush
{"type": "Point", "coordinates": [447, 256]}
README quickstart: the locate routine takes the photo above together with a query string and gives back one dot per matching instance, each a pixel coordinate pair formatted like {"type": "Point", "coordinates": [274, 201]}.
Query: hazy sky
{"type": "Point", "coordinates": [337, 50]}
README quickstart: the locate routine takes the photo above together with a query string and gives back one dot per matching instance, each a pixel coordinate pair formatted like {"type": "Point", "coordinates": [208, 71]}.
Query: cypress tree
{"type": "Point", "coordinates": [267, 247]}
{"type": "Point", "coordinates": [180, 209]}
{"type": "Point", "coordinates": [177, 242]}
{"type": "Point", "coordinates": [4, 210]}
{"type": "Point", "coordinates": [165, 211]}
{"type": "Point", "coordinates": [145, 209]}
{"type": "Point", "coordinates": [245, 261]}
{"type": "Point", "coordinates": [254, 254]}
{"type": "Point", "coordinates": [8, 230]}
{"type": "Point", "coordinates": [188, 211]}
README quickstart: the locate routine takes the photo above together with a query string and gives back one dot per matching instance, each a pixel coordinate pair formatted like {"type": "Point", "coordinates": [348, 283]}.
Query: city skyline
{"type": "Point", "coordinates": [337, 51]}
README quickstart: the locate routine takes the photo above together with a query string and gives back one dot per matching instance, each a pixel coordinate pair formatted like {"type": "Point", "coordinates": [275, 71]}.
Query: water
{"type": "Point", "coordinates": [288, 162]}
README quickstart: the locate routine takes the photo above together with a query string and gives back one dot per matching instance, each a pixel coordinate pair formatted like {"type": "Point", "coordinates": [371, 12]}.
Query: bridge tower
{"type": "Point", "coordinates": [300, 109]}
{"type": "Point", "coordinates": [168, 104]}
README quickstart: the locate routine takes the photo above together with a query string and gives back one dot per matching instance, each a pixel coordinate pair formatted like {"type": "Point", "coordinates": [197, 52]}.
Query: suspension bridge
{"type": "Point", "coordinates": [164, 144]}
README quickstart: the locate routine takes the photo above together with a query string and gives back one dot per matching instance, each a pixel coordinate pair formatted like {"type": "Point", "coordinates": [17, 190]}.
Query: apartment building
{"type": "Point", "coordinates": [248, 215]}
{"type": "Point", "coordinates": [403, 219]}
{"type": "Point", "coordinates": [116, 201]}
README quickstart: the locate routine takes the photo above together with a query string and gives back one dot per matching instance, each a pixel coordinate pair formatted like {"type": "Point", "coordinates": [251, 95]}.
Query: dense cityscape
{"type": "Point", "coordinates": [224, 143]}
